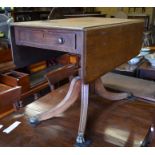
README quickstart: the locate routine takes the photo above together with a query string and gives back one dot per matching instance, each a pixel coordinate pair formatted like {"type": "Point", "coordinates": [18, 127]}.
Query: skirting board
{"type": "Point", "coordinates": [144, 89]}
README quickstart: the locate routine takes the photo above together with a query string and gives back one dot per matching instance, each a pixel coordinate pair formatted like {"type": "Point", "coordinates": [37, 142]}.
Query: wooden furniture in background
{"type": "Point", "coordinates": [42, 13]}
{"type": "Point", "coordinates": [37, 67]}
{"type": "Point", "coordinates": [141, 16]}
{"type": "Point", "coordinates": [101, 43]}
{"type": "Point", "coordinates": [9, 96]}
{"type": "Point", "coordinates": [7, 66]}
{"type": "Point", "coordinates": [5, 55]}
{"type": "Point", "coordinates": [127, 69]}
{"type": "Point", "coordinates": [15, 78]}
{"type": "Point", "coordinates": [60, 74]}
{"type": "Point", "coordinates": [11, 77]}
{"type": "Point", "coordinates": [51, 79]}
{"type": "Point", "coordinates": [143, 9]}
{"type": "Point", "coordinates": [70, 98]}
{"type": "Point", "coordinates": [6, 63]}
{"type": "Point", "coordinates": [146, 71]}
{"type": "Point", "coordinates": [67, 59]}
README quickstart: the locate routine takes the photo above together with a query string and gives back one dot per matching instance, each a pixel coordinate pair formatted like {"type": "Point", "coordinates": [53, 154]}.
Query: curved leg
{"type": "Point", "coordinates": [70, 98]}
{"type": "Point", "coordinates": [101, 91]}
{"type": "Point", "coordinates": [80, 140]}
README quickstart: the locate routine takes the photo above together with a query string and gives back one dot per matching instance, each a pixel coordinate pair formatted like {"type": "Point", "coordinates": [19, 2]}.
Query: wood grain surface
{"type": "Point", "coordinates": [8, 98]}
{"type": "Point", "coordinates": [109, 123]}
{"type": "Point", "coordinates": [110, 47]}
{"type": "Point", "coordinates": [75, 23]}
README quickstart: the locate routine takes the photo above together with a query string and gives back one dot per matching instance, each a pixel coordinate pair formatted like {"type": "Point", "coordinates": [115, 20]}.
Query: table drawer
{"type": "Point", "coordinates": [56, 40]}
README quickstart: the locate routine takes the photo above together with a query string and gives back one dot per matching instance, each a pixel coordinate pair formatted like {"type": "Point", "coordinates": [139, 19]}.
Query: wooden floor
{"type": "Point", "coordinates": [123, 123]}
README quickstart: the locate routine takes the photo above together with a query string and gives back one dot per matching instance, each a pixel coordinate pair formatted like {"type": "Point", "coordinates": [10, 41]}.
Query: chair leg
{"type": "Point", "coordinates": [70, 98]}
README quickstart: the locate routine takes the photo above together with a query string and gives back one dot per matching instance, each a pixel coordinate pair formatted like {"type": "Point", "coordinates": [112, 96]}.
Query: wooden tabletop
{"type": "Point", "coordinates": [76, 23]}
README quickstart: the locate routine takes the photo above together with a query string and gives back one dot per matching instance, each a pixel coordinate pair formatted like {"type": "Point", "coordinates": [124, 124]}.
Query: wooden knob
{"type": "Point", "coordinates": [60, 40]}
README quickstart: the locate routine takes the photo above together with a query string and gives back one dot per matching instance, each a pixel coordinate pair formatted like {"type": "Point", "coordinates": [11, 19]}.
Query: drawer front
{"type": "Point", "coordinates": [16, 79]}
{"type": "Point", "coordinates": [48, 39]}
